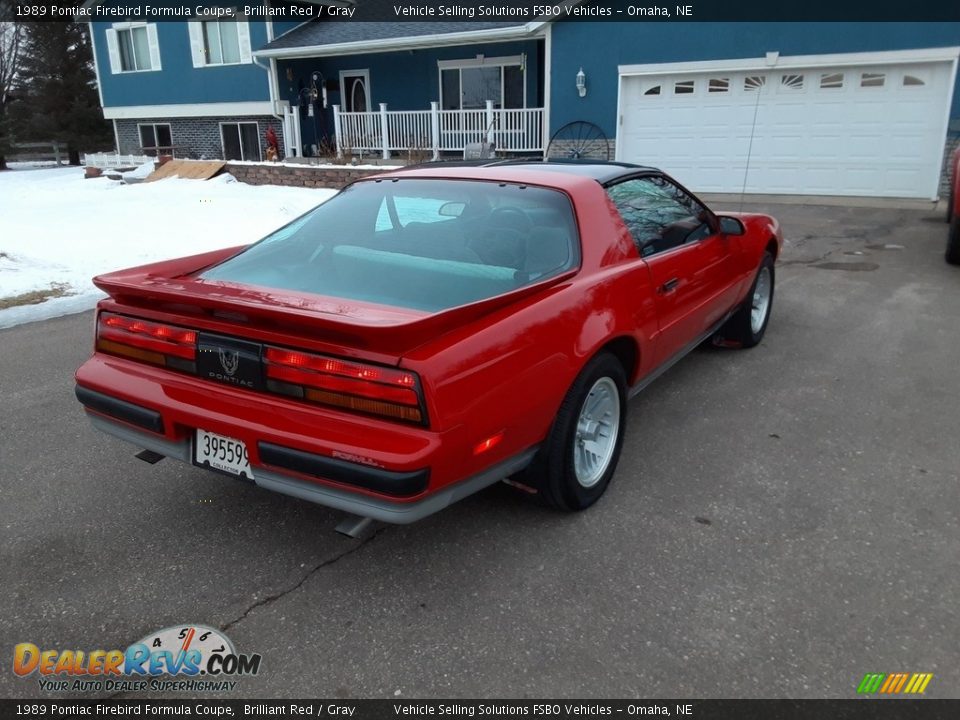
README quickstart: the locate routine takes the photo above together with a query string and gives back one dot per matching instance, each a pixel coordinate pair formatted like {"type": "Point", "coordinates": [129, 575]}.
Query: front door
{"type": "Point", "coordinates": [355, 90]}
{"type": "Point", "coordinates": [692, 267]}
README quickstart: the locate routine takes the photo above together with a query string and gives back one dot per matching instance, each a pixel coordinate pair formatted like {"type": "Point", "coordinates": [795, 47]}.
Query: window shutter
{"type": "Point", "coordinates": [196, 44]}
{"type": "Point", "coordinates": [154, 47]}
{"type": "Point", "coordinates": [113, 49]}
{"type": "Point", "coordinates": [243, 35]}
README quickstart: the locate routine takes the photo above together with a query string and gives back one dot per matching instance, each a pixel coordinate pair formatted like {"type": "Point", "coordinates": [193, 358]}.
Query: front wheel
{"type": "Point", "coordinates": [953, 242]}
{"type": "Point", "coordinates": [574, 467]}
{"type": "Point", "coordinates": [748, 324]}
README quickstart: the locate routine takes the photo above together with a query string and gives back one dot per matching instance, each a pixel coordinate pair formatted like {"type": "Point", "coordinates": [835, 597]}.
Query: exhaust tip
{"type": "Point", "coordinates": [149, 456]}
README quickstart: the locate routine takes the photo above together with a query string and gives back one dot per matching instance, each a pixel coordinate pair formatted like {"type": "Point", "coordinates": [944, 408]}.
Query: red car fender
{"type": "Point", "coordinates": [522, 357]}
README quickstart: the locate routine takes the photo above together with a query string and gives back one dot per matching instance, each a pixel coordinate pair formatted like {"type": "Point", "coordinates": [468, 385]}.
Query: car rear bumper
{"type": "Point", "coordinates": [380, 509]}
{"type": "Point", "coordinates": [385, 470]}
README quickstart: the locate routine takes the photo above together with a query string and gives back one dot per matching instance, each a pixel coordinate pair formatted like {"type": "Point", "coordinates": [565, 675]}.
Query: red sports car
{"type": "Point", "coordinates": [953, 211]}
{"type": "Point", "coordinates": [426, 333]}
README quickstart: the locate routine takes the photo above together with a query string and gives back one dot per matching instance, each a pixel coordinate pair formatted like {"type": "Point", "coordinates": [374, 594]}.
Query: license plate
{"type": "Point", "coordinates": [222, 453]}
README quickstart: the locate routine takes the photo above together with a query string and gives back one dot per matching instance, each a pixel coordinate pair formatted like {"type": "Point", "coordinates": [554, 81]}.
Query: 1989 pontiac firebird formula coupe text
{"type": "Point", "coordinates": [428, 332]}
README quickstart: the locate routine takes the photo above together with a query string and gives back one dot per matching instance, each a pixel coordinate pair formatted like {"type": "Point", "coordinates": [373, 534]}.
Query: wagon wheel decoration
{"type": "Point", "coordinates": [579, 140]}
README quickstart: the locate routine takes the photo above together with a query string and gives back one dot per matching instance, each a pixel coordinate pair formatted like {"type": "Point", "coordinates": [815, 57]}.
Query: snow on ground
{"type": "Point", "coordinates": [58, 228]}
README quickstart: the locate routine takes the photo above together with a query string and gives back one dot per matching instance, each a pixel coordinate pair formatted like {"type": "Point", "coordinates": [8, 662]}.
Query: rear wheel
{"type": "Point", "coordinates": [953, 242]}
{"type": "Point", "coordinates": [574, 467]}
{"type": "Point", "coordinates": [749, 323]}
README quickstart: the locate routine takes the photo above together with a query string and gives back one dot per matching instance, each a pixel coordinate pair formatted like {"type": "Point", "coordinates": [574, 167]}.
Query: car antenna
{"type": "Point", "coordinates": [753, 130]}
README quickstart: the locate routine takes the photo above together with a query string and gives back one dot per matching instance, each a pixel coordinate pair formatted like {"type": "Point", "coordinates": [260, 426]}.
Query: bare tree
{"type": "Point", "coordinates": [11, 43]}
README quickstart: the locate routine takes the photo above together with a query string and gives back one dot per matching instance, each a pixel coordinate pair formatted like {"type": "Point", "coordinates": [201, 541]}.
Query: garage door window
{"type": "Point", "coordinates": [754, 82]}
{"type": "Point", "coordinates": [872, 79]}
{"type": "Point", "coordinates": [659, 215]}
{"type": "Point", "coordinates": [831, 81]}
{"type": "Point", "coordinates": [791, 82]}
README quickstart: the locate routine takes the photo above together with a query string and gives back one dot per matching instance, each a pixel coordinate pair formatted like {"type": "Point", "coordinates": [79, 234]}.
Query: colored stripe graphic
{"type": "Point", "coordinates": [922, 684]}
{"type": "Point", "coordinates": [894, 683]}
{"type": "Point", "coordinates": [871, 683]}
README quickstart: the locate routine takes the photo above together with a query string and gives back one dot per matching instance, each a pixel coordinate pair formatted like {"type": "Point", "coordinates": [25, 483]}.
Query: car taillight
{"type": "Point", "coordinates": [148, 341]}
{"type": "Point", "coordinates": [370, 389]}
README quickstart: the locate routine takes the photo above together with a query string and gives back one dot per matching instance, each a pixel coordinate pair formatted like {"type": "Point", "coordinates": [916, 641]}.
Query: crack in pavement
{"type": "Point", "coordinates": [270, 599]}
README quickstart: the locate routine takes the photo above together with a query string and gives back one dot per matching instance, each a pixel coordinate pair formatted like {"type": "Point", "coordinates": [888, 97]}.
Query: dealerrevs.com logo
{"type": "Point", "coordinates": [178, 658]}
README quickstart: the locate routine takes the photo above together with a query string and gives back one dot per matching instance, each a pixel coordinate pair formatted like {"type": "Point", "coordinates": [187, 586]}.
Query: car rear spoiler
{"type": "Point", "coordinates": [173, 286]}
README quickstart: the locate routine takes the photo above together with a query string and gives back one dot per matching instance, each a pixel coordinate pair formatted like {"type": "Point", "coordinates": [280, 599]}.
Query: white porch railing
{"type": "Point", "coordinates": [436, 130]}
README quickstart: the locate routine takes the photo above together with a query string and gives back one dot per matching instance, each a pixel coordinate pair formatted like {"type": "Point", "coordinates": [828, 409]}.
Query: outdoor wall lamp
{"type": "Point", "coordinates": [582, 83]}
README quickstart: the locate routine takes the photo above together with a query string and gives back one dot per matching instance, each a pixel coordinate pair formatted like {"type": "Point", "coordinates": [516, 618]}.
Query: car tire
{"type": "Point", "coordinates": [953, 242]}
{"type": "Point", "coordinates": [568, 474]}
{"type": "Point", "coordinates": [748, 324]}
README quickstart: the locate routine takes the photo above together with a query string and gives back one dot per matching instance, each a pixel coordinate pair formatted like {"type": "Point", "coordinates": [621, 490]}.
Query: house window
{"type": "Point", "coordinates": [469, 84]}
{"type": "Point", "coordinates": [221, 43]}
{"type": "Point", "coordinates": [155, 138]}
{"type": "Point", "coordinates": [241, 141]}
{"type": "Point", "coordinates": [214, 43]}
{"type": "Point", "coordinates": [133, 47]}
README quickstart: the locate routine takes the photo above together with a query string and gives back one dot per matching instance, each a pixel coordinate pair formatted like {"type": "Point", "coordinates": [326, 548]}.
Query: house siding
{"type": "Point", "coordinates": [179, 82]}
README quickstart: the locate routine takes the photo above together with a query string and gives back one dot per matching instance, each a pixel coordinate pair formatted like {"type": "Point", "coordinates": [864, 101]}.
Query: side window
{"type": "Point", "coordinates": [659, 215]}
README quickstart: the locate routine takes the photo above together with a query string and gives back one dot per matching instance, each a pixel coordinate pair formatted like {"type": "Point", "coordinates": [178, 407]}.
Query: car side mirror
{"type": "Point", "coordinates": [731, 226]}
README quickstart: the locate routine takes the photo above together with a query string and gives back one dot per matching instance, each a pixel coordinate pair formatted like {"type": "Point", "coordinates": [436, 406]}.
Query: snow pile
{"type": "Point", "coordinates": [140, 173]}
{"type": "Point", "coordinates": [56, 228]}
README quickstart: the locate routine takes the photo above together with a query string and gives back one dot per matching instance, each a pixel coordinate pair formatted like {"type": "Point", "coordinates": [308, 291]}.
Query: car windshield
{"type": "Point", "coordinates": [414, 243]}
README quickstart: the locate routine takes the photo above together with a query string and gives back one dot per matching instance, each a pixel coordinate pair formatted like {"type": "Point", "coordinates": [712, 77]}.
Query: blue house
{"type": "Point", "coordinates": [796, 108]}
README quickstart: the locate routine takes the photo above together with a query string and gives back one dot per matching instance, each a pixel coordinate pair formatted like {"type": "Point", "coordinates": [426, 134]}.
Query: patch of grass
{"type": "Point", "coordinates": [35, 297]}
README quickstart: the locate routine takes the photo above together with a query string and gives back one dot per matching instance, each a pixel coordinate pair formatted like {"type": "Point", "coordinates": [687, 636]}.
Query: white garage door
{"type": "Point", "coordinates": [833, 129]}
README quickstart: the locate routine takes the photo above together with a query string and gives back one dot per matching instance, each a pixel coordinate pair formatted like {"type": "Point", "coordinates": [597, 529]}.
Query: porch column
{"type": "Point", "coordinates": [336, 130]}
{"type": "Point", "coordinates": [435, 128]}
{"type": "Point", "coordinates": [384, 132]}
{"type": "Point", "coordinates": [489, 121]}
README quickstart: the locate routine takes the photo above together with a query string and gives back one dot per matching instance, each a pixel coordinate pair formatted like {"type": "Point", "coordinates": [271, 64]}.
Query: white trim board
{"type": "Point", "coordinates": [96, 64]}
{"type": "Point", "coordinates": [228, 109]}
{"type": "Point", "coordinates": [517, 32]}
{"type": "Point", "coordinates": [775, 60]}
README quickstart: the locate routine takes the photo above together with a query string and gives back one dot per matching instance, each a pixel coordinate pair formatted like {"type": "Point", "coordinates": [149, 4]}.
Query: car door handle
{"type": "Point", "coordinates": [669, 286]}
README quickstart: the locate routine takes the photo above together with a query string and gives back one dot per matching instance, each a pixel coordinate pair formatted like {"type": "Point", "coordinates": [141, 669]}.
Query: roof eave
{"type": "Point", "coordinates": [516, 32]}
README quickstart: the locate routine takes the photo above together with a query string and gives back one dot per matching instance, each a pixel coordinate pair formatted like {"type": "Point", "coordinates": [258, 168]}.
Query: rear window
{"type": "Point", "coordinates": [418, 244]}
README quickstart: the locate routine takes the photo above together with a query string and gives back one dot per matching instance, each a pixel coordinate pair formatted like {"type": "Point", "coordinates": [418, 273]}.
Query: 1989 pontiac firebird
{"type": "Point", "coordinates": [428, 332]}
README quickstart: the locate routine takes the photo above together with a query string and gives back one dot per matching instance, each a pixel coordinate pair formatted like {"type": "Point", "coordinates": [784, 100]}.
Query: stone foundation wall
{"type": "Point", "coordinates": [307, 176]}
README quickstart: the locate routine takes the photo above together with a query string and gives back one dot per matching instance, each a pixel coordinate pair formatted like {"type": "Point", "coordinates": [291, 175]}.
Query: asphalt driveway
{"type": "Point", "coordinates": [783, 520]}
